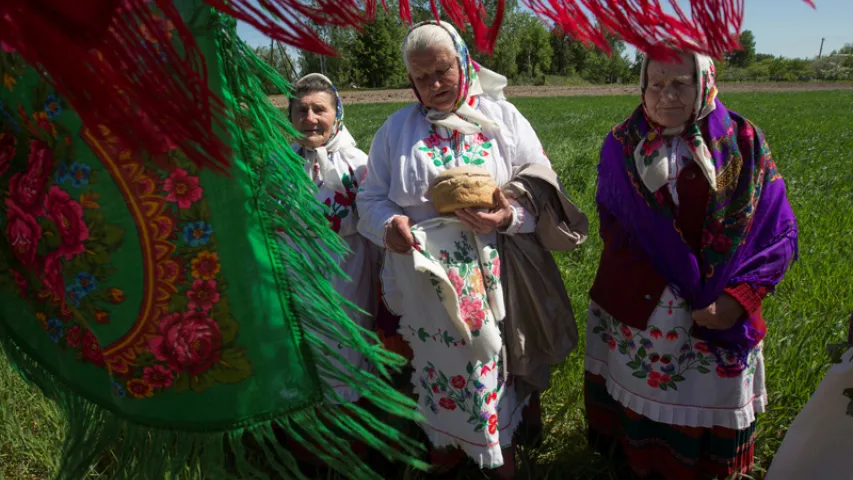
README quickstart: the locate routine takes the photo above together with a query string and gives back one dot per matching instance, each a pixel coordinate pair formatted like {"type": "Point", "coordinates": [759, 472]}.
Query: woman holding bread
{"type": "Point", "coordinates": [697, 230]}
{"type": "Point", "coordinates": [431, 197]}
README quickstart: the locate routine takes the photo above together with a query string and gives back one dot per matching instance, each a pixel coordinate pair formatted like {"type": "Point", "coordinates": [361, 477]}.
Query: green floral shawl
{"type": "Point", "coordinates": [156, 303]}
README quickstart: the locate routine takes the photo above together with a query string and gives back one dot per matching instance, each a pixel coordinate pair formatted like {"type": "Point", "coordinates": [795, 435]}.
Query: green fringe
{"type": "Point", "coordinates": [307, 269]}
{"type": "Point", "coordinates": [259, 132]}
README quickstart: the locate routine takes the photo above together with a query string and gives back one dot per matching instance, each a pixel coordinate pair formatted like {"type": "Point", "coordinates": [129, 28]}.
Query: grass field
{"type": "Point", "coordinates": [811, 135]}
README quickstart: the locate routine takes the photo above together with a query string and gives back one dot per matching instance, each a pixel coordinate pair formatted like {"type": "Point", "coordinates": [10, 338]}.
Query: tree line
{"type": "Point", "coordinates": [528, 54]}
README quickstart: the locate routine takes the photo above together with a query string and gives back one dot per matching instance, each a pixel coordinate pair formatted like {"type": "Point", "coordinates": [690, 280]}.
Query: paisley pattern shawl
{"type": "Point", "coordinates": [749, 233]}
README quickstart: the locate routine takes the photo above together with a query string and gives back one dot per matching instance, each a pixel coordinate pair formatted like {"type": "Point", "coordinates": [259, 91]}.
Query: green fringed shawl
{"type": "Point", "coordinates": [158, 305]}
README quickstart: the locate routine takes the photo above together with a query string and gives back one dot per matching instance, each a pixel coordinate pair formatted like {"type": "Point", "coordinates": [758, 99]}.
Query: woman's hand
{"type": "Point", "coordinates": [720, 315]}
{"type": "Point", "coordinates": [398, 235]}
{"type": "Point", "coordinates": [497, 218]}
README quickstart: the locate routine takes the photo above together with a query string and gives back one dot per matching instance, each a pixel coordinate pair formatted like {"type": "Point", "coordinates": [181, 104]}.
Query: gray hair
{"type": "Point", "coordinates": [427, 35]}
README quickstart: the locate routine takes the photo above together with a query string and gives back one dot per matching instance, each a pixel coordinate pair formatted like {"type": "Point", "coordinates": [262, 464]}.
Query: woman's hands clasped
{"type": "Point", "coordinates": [497, 218]}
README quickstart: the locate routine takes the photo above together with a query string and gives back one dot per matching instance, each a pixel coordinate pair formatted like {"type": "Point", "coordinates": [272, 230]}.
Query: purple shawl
{"type": "Point", "coordinates": [749, 233]}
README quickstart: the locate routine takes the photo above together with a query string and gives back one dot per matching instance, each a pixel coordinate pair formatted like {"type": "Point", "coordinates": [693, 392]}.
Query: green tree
{"type": "Point", "coordinates": [746, 55]}
{"type": "Point", "coordinates": [376, 52]}
{"type": "Point", "coordinates": [534, 56]}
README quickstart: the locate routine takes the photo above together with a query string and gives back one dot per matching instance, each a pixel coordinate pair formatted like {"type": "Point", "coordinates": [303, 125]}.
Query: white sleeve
{"type": "Point", "coordinates": [375, 209]}
{"type": "Point", "coordinates": [528, 148]}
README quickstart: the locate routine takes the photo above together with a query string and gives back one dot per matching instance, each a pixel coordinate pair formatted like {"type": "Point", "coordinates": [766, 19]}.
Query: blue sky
{"type": "Point", "coordinates": [781, 27]}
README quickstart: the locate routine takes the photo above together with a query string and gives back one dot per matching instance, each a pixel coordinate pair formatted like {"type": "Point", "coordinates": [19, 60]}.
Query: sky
{"type": "Point", "coordinates": [788, 28]}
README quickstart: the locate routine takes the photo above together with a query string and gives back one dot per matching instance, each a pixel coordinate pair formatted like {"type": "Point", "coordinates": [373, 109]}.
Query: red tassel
{"type": "Point", "coordinates": [712, 28]}
{"type": "Point", "coordinates": [115, 62]}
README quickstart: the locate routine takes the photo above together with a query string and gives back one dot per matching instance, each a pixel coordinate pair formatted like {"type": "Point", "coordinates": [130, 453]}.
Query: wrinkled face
{"type": "Point", "coordinates": [435, 73]}
{"type": "Point", "coordinates": [313, 115]}
{"type": "Point", "coordinates": [671, 91]}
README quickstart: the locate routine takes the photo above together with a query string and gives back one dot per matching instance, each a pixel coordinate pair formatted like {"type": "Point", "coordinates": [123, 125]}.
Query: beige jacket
{"type": "Point", "coordinates": [539, 328]}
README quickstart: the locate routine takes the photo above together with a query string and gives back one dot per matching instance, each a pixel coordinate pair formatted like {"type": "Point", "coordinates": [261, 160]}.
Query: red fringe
{"type": "Point", "coordinates": [154, 95]}
{"type": "Point", "coordinates": [140, 85]}
{"type": "Point", "coordinates": [712, 28]}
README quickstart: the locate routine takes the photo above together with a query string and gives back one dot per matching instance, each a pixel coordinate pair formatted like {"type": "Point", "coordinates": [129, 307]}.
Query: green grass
{"type": "Point", "coordinates": [812, 141]}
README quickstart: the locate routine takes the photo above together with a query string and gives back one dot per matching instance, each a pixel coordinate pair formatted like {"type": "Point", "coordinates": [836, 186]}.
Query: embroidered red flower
{"type": "Point", "coordinates": [656, 333]}
{"type": "Point", "coordinates": [334, 223]}
{"type": "Point", "coordinates": [102, 317]}
{"type": "Point", "coordinates": [23, 232]}
{"type": "Point", "coordinates": [21, 282]}
{"type": "Point", "coordinates": [722, 243]}
{"type": "Point", "coordinates": [672, 335]}
{"type": "Point", "coordinates": [203, 295]}
{"type": "Point", "coordinates": [666, 359]}
{"type": "Point", "coordinates": [447, 404]}
{"type": "Point", "coordinates": [611, 343]}
{"type": "Point", "coordinates": [654, 379]}
{"type": "Point", "coordinates": [158, 376]}
{"type": "Point", "coordinates": [496, 267]}
{"type": "Point", "coordinates": [432, 141]}
{"type": "Point", "coordinates": [343, 199]}
{"type": "Point", "coordinates": [436, 388]}
{"type": "Point", "coordinates": [182, 188]}
{"type": "Point", "coordinates": [74, 336]}
{"type": "Point", "coordinates": [491, 397]}
{"type": "Point", "coordinates": [115, 295]}
{"type": "Point", "coordinates": [7, 151]}
{"type": "Point", "coordinates": [456, 280]}
{"type": "Point", "coordinates": [472, 312]}
{"type": "Point", "coordinates": [189, 342]}
{"type": "Point", "coordinates": [67, 214]}
{"type": "Point", "coordinates": [205, 265]}
{"type": "Point", "coordinates": [51, 275]}
{"type": "Point", "coordinates": [654, 357]}
{"type": "Point", "coordinates": [92, 349]}
{"type": "Point", "coordinates": [664, 378]}
{"type": "Point", "coordinates": [702, 347]}
{"type": "Point", "coordinates": [458, 382]}
{"type": "Point", "coordinates": [626, 332]}
{"type": "Point", "coordinates": [729, 371]}
{"type": "Point", "coordinates": [28, 187]}
{"type": "Point", "coordinates": [493, 424]}
{"type": "Point", "coordinates": [139, 388]}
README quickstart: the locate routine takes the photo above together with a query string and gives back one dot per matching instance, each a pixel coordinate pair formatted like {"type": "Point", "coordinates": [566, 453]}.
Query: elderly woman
{"type": "Point", "coordinates": [697, 231]}
{"type": "Point", "coordinates": [337, 167]}
{"type": "Point", "coordinates": [442, 273]}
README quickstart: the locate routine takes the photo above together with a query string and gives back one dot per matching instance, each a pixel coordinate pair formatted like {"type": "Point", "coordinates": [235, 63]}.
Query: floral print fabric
{"type": "Point", "coordinates": [464, 397]}
{"type": "Point", "coordinates": [668, 375]}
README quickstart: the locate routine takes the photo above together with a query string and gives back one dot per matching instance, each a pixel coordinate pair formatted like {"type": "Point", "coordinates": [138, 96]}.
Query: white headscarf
{"type": "Point", "coordinates": [474, 81]}
{"type": "Point", "coordinates": [339, 142]}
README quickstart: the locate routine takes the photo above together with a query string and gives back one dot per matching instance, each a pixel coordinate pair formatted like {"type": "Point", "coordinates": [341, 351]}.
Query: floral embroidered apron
{"type": "Point", "coordinates": [665, 374]}
{"type": "Point", "coordinates": [461, 387]}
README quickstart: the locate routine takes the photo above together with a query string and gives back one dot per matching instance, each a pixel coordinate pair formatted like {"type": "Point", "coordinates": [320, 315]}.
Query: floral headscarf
{"type": "Point", "coordinates": [339, 141]}
{"type": "Point", "coordinates": [654, 161]}
{"type": "Point", "coordinates": [474, 80]}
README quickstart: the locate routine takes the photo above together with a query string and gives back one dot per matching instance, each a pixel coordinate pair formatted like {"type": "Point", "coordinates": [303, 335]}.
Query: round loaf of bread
{"type": "Point", "coordinates": [462, 187]}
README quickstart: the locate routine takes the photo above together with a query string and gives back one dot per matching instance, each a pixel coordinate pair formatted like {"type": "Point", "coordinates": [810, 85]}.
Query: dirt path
{"type": "Point", "coordinates": [388, 96]}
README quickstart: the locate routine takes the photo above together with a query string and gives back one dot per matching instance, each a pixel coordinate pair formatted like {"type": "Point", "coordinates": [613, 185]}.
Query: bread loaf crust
{"type": "Point", "coordinates": [462, 187]}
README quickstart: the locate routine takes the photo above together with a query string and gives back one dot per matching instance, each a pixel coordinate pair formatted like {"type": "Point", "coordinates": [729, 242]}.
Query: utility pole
{"type": "Point", "coordinates": [820, 53]}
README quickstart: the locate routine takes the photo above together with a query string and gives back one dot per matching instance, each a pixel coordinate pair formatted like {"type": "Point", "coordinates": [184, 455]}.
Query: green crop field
{"type": "Point", "coordinates": [811, 136]}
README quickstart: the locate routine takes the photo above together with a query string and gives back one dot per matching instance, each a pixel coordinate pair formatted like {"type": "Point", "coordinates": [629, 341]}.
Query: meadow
{"type": "Point", "coordinates": [811, 136]}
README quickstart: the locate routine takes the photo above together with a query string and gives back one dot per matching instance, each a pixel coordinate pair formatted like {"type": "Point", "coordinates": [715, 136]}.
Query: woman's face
{"type": "Point", "coordinates": [671, 91]}
{"type": "Point", "coordinates": [435, 73]}
{"type": "Point", "coordinates": [313, 115]}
